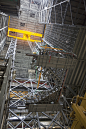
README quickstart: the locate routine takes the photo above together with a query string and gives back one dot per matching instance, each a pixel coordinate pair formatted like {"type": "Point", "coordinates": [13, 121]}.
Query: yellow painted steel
{"type": "Point", "coordinates": [39, 79]}
{"type": "Point", "coordinates": [79, 113]}
{"type": "Point", "coordinates": [26, 34]}
{"type": "Point", "coordinates": [51, 48]}
{"type": "Point", "coordinates": [8, 21]}
{"type": "Point", "coordinates": [8, 25]}
{"type": "Point", "coordinates": [20, 96]}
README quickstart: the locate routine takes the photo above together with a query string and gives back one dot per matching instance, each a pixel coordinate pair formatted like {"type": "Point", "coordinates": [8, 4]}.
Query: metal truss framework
{"type": "Point", "coordinates": [3, 29]}
{"type": "Point", "coordinates": [11, 51]}
{"type": "Point", "coordinates": [49, 6]}
{"type": "Point", "coordinates": [61, 12]}
{"type": "Point", "coordinates": [33, 113]}
{"type": "Point", "coordinates": [55, 66]}
{"type": "Point", "coordinates": [20, 102]}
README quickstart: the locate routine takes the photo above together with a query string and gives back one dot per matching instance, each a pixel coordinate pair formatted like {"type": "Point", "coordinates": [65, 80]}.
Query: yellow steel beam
{"type": "Point", "coordinates": [24, 39]}
{"type": "Point", "coordinates": [26, 34]}
{"type": "Point", "coordinates": [83, 103]}
{"type": "Point", "coordinates": [8, 21]}
{"type": "Point", "coordinates": [51, 48]}
{"type": "Point", "coordinates": [14, 96]}
{"type": "Point", "coordinates": [79, 113]}
{"type": "Point", "coordinates": [39, 79]}
{"type": "Point", "coordinates": [76, 125]}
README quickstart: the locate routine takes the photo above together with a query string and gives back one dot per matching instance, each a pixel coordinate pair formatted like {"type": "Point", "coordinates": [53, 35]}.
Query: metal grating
{"type": "Point", "coordinates": [70, 12]}
{"type": "Point", "coordinates": [61, 36]}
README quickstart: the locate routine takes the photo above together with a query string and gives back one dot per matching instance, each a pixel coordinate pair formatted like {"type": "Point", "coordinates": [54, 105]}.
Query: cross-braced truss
{"type": "Point", "coordinates": [20, 108]}
{"type": "Point", "coordinates": [25, 100]}
{"type": "Point", "coordinates": [61, 12]}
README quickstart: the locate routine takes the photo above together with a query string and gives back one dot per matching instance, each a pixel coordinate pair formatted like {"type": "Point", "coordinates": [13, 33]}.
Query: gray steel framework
{"type": "Point", "coordinates": [3, 29]}
{"type": "Point", "coordinates": [3, 92]}
{"type": "Point", "coordinates": [48, 6]}
{"type": "Point", "coordinates": [61, 36]}
{"type": "Point", "coordinates": [20, 103]}
{"type": "Point", "coordinates": [62, 12]}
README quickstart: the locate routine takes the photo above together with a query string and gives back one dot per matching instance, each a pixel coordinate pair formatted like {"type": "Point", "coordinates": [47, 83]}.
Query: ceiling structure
{"type": "Point", "coordinates": [10, 7]}
{"type": "Point", "coordinates": [42, 75]}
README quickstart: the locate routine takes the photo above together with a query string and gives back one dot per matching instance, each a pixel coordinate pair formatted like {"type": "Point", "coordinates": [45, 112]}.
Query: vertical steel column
{"type": "Point", "coordinates": [3, 29]}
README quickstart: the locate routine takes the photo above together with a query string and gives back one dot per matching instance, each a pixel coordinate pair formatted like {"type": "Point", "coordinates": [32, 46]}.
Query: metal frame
{"type": "Point", "coordinates": [21, 103]}
{"type": "Point", "coordinates": [26, 35]}
{"type": "Point", "coordinates": [78, 113]}
{"type": "Point", "coordinates": [4, 90]}
{"type": "Point", "coordinates": [60, 12]}
{"type": "Point", "coordinates": [20, 100]}
{"type": "Point", "coordinates": [49, 12]}
{"type": "Point", "coordinates": [35, 95]}
{"type": "Point", "coordinates": [3, 29]}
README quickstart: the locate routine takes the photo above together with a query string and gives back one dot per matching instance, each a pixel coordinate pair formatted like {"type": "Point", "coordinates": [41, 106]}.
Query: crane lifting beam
{"type": "Point", "coordinates": [26, 34]}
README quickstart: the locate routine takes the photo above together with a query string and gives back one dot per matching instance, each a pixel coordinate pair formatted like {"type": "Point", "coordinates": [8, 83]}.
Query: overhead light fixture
{"type": "Point", "coordinates": [45, 8]}
{"type": "Point", "coordinates": [21, 107]}
{"type": "Point", "coordinates": [62, 95]}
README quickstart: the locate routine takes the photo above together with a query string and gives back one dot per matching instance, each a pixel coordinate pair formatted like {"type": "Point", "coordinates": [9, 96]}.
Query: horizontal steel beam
{"type": "Point", "coordinates": [3, 28]}
{"type": "Point", "coordinates": [26, 34]}
{"type": "Point", "coordinates": [43, 107]}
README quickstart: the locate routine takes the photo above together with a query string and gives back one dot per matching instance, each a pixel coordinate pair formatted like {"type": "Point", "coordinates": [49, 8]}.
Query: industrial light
{"type": "Point", "coordinates": [45, 8]}
{"type": "Point", "coordinates": [21, 107]}
{"type": "Point", "coordinates": [62, 95]}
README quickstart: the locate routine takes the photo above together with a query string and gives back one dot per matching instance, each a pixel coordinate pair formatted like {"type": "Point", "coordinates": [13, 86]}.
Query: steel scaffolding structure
{"type": "Point", "coordinates": [25, 100]}
{"type": "Point", "coordinates": [19, 105]}
{"type": "Point", "coordinates": [54, 11]}
{"type": "Point", "coordinates": [3, 29]}
{"type": "Point", "coordinates": [39, 98]}
{"type": "Point", "coordinates": [61, 12]}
